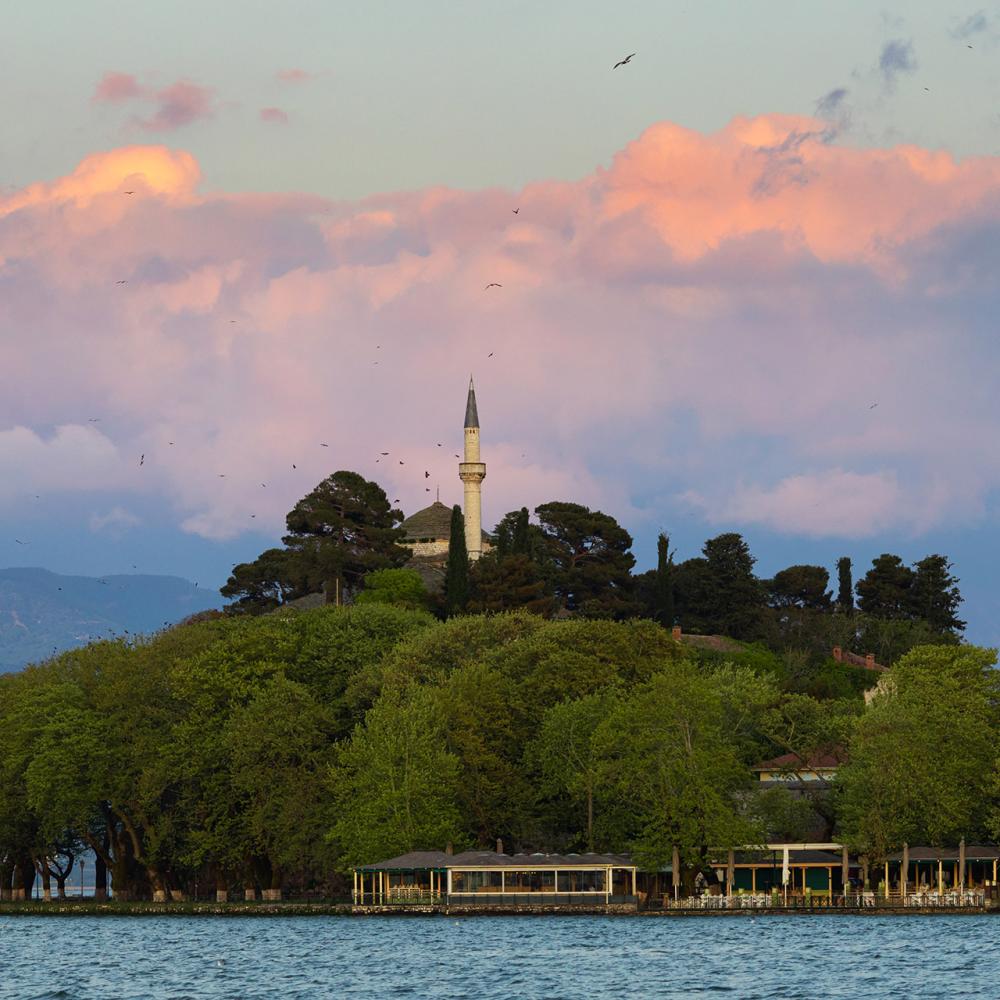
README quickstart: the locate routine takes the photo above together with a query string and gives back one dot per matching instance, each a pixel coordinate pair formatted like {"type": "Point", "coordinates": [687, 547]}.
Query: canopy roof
{"type": "Point", "coordinates": [426, 860]}
{"type": "Point", "coordinates": [973, 852]}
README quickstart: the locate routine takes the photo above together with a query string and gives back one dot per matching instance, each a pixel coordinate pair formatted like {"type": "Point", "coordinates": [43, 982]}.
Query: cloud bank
{"type": "Point", "coordinates": [758, 323]}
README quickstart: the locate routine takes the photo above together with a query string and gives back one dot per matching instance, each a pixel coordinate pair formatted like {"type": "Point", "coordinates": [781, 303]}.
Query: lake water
{"type": "Point", "coordinates": [78, 958]}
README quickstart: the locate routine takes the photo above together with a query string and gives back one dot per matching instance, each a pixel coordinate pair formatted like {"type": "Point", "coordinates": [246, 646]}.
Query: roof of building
{"type": "Point", "coordinates": [419, 860]}
{"type": "Point", "coordinates": [471, 413]}
{"type": "Point", "coordinates": [414, 860]}
{"type": "Point", "coordinates": [973, 852]}
{"type": "Point", "coordinates": [431, 522]}
{"type": "Point", "coordinates": [772, 858]}
{"type": "Point", "coordinates": [824, 760]}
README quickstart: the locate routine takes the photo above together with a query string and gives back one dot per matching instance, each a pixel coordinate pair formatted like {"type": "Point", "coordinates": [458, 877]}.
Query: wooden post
{"type": "Point", "coordinates": [730, 872]}
{"type": "Point", "coordinates": [676, 872]}
{"type": "Point", "coordinates": [753, 879]}
{"type": "Point", "coordinates": [635, 888]}
{"type": "Point", "coordinates": [355, 894]}
{"type": "Point", "coordinates": [905, 875]}
{"type": "Point", "coordinates": [845, 872]}
{"type": "Point", "coordinates": [961, 864]}
{"type": "Point", "coordinates": [940, 877]}
{"type": "Point", "coordinates": [887, 880]}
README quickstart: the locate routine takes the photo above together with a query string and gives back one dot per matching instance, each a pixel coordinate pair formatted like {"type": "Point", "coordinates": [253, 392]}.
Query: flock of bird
{"type": "Point", "coordinates": [322, 444]}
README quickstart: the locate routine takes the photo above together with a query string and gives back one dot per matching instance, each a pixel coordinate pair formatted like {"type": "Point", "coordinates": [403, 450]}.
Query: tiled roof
{"type": "Point", "coordinates": [431, 522]}
{"type": "Point", "coordinates": [824, 760]}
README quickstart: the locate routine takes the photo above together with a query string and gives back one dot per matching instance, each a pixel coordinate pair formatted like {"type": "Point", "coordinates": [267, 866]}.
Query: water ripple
{"type": "Point", "coordinates": [515, 958]}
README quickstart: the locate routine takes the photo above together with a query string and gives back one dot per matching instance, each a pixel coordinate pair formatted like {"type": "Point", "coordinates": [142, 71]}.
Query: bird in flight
{"type": "Point", "coordinates": [93, 420]}
{"type": "Point", "coordinates": [294, 466]}
{"type": "Point", "coordinates": [427, 475]}
{"type": "Point", "coordinates": [439, 444]}
{"type": "Point", "coordinates": [516, 210]}
{"type": "Point", "coordinates": [323, 445]}
{"type": "Point", "coordinates": [493, 284]}
{"type": "Point", "coordinates": [490, 355]}
{"type": "Point", "coordinates": [383, 453]}
{"type": "Point", "coordinates": [122, 281]}
{"type": "Point", "coordinates": [458, 456]}
{"type": "Point", "coordinates": [872, 407]}
{"type": "Point", "coordinates": [19, 542]}
{"type": "Point", "coordinates": [253, 515]}
{"type": "Point", "coordinates": [401, 462]}
{"type": "Point", "coordinates": [142, 459]}
{"type": "Point", "coordinates": [222, 475]}
{"type": "Point", "coordinates": [128, 192]}
{"type": "Point", "coordinates": [623, 62]}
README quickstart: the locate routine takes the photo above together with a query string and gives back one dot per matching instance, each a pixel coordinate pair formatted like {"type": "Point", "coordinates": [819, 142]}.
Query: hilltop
{"type": "Point", "coordinates": [42, 612]}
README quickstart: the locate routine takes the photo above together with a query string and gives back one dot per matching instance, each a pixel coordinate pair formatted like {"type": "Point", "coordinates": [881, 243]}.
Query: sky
{"type": "Point", "coordinates": [749, 284]}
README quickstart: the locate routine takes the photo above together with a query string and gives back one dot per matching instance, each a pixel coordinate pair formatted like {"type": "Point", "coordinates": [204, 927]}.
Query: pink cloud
{"type": "Point", "coordinates": [170, 107]}
{"type": "Point", "coordinates": [179, 104]}
{"type": "Point", "coordinates": [114, 87]}
{"type": "Point", "coordinates": [712, 317]}
{"type": "Point", "coordinates": [293, 75]}
{"type": "Point", "coordinates": [274, 116]}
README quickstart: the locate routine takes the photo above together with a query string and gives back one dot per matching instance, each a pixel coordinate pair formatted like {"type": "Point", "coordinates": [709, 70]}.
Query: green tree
{"type": "Point", "coordinates": [693, 600]}
{"type": "Point", "coordinates": [342, 530]}
{"type": "Point", "coordinates": [801, 587]}
{"type": "Point", "coordinates": [885, 590]}
{"type": "Point", "coordinates": [935, 597]}
{"type": "Point", "coordinates": [262, 585]}
{"type": "Point", "coordinates": [922, 756]}
{"type": "Point", "coordinates": [512, 582]}
{"type": "Point", "coordinates": [734, 597]}
{"type": "Point", "coordinates": [590, 559]}
{"type": "Point", "coordinates": [845, 585]}
{"type": "Point", "coordinates": [456, 578]}
{"type": "Point", "coordinates": [394, 785]}
{"type": "Point", "coordinates": [664, 584]}
{"type": "Point", "coordinates": [567, 753]}
{"type": "Point", "coordinates": [403, 587]}
{"type": "Point", "coordinates": [676, 768]}
{"type": "Point", "coordinates": [279, 750]}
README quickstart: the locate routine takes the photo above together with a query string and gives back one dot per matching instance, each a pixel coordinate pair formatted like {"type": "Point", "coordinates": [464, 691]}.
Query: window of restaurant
{"type": "Point", "coordinates": [488, 881]}
{"type": "Point", "coordinates": [528, 881]}
{"type": "Point", "coordinates": [582, 881]}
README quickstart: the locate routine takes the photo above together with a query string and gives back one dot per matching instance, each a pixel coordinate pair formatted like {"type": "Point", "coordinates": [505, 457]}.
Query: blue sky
{"type": "Point", "coordinates": [682, 342]}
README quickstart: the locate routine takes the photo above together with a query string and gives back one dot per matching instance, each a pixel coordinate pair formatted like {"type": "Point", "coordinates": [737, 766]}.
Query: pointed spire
{"type": "Point", "coordinates": [471, 414]}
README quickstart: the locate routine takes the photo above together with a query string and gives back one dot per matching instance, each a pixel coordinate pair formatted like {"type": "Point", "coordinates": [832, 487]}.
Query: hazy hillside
{"type": "Point", "coordinates": [41, 611]}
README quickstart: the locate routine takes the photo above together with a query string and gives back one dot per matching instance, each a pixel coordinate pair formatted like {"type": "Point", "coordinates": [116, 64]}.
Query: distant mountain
{"type": "Point", "coordinates": [43, 612]}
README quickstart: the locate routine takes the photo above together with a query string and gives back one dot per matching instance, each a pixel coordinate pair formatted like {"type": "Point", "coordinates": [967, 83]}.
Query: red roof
{"type": "Point", "coordinates": [826, 759]}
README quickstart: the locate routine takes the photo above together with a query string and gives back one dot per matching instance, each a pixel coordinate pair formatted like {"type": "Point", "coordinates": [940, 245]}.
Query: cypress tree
{"type": "Point", "coordinates": [521, 543]}
{"type": "Point", "coordinates": [845, 585]}
{"type": "Point", "coordinates": [664, 585]}
{"type": "Point", "coordinates": [456, 578]}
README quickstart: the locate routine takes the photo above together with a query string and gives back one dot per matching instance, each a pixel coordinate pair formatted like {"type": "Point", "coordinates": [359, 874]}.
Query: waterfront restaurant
{"type": "Point", "coordinates": [939, 871]}
{"type": "Point", "coordinates": [487, 878]}
{"type": "Point", "coordinates": [823, 870]}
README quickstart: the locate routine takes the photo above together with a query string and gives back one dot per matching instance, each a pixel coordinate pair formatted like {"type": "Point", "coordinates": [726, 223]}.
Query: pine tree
{"type": "Point", "coordinates": [845, 585]}
{"type": "Point", "coordinates": [456, 579]}
{"type": "Point", "coordinates": [664, 584]}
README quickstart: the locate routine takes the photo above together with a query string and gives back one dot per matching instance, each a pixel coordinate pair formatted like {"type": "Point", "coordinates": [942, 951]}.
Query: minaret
{"type": "Point", "coordinates": [472, 472]}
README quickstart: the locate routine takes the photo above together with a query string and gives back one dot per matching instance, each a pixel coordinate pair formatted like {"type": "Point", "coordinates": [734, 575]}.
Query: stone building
{"type": "Point", "coordinates": [428, 531]}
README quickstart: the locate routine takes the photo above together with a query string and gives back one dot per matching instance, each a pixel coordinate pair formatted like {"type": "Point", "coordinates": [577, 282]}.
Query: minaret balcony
{"type": "Point", "coordinates": [472, 471]}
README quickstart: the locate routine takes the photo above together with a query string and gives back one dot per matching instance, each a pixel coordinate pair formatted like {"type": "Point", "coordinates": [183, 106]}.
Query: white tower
{"type": "Point", "coordinates": [472, 472]}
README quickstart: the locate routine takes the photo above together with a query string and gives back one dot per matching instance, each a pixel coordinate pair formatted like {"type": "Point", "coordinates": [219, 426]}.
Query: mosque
{"type": "Point", "coordinates": [428, 531]}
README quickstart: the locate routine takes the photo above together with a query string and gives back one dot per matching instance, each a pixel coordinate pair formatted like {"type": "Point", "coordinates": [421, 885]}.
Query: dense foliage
{"type": "Point", "coordinates": [273, 751]}
{"type": "Point", "coordinates": [548, 704]}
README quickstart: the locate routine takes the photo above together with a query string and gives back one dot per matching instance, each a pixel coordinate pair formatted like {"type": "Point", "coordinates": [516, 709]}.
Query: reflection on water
{"type": "Point", "coordinates": [78, 958]}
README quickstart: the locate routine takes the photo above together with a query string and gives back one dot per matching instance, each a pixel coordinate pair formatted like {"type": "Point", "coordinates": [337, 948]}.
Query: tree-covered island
{"type": "Point", "coordinates": [545, 695]}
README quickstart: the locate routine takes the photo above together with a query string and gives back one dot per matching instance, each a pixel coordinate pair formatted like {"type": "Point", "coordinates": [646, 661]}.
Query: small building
{"type": "Point", "coordinates": [939, 870]}
{"type": "Point", "coordinates": [487, 878]}
{"type": "Point", "coordinates": [790, 769]}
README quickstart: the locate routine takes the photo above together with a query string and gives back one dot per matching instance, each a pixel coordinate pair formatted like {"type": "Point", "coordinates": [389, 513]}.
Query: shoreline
{"type": "Point", "coordinates": [69, 908]}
